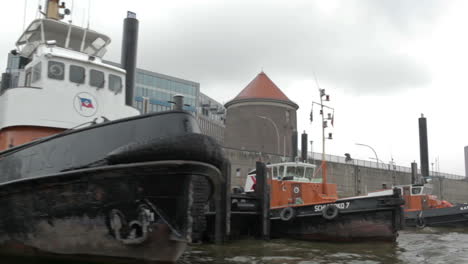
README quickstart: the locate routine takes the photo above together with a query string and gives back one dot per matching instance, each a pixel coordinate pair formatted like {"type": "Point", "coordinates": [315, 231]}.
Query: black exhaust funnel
{"type": "Point", "coordinates": [304, 147]}
{"type": "Point", "coordinates": [294, 145]}
{"type": "Point", "coordinates": [128, 58]}
{"type": "Point", "coordinates": [423, 148]}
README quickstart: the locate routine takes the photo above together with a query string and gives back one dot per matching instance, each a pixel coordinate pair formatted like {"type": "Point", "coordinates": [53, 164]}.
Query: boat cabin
{"type": "Point", "coordinates": [294, 184]}
{"type": "Point", "coordinates": [59, 82]}
{"type": "Point", "coordinates": [419, 197]}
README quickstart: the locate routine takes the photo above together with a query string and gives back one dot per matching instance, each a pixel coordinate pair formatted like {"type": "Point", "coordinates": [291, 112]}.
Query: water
{"type": "Point", "coordinates": [429, 245]}
{"type": "Point", "coordinates": [412, 246]}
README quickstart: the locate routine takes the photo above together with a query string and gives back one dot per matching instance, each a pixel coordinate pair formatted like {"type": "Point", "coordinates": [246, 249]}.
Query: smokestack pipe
{"type": "Point", "coordinates": [304, 146]}
{"type": "Point", "coordinates": [178, 102]}
{"type": "Point", "coordinates": [294, 145]}
{"type": "Point", "coordinates": [414, 173]}
{"type": "Point", "coordinates": [128, 57]}
{"type": "Point", "coordinates": [423, 147]}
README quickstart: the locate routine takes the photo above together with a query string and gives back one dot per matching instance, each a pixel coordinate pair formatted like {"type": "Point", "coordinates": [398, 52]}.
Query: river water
{"type": "Point", "coordinates": [429, 245]}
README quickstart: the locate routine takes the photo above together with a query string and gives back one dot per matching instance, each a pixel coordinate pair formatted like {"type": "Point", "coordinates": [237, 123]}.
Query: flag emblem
{"type": "Point", "coordinates": [85, 102]}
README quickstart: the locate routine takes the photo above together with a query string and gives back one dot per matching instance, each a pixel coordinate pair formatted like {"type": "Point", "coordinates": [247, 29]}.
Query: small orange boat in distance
{"type": "Point", "coordinates": [303, 205]}
{"type": "Point", "coordinates": [424, 209]}
{"type": "Point", "coordinates": [419, 197]}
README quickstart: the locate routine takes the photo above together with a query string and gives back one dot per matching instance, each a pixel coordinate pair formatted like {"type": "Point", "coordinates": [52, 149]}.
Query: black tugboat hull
{"type": "Point", "coordinates": [125, 189]}
{"type": "Point", "coordinates": [363, 219]}
{"type": "Point", "coordinates": [76, 213]}
{"type": "Point", "coordinates": [456, 216]}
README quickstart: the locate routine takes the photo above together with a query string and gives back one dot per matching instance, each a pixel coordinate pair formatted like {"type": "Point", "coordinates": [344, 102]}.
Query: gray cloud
{"type": "Point", "coordinates": [229, 43]}
{"type": "Point", "coordinates": [223, 45]}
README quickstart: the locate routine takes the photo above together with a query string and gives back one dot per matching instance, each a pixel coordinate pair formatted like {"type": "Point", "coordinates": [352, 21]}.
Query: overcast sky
{"type": "Point", "coordinates": [383, 62]}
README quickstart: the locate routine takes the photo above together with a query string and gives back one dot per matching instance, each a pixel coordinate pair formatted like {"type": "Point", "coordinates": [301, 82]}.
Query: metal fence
{"type": "Point", "coordinates": [380, 165]}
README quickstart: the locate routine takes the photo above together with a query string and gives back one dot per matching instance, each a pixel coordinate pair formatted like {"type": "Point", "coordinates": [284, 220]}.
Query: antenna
{"type": "Point", "coordinates": [72, 11]}
{"type": "Point", "coordinates": [89, 12]}
{"type": "Point", "coordinates": [316, 80]}
{"type": "Point", "coordinates": [24, 14]}
{"type": "Point", "coordinates": [83, 18]}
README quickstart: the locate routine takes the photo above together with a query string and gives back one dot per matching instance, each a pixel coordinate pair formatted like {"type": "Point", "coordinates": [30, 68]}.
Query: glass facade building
{"type": "Point", "coordinates": [160, 89]}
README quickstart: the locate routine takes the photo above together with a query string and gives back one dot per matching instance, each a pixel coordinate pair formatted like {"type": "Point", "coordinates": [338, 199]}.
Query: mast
{"type": "Point", "coordinates": [324, 164]}
{"type": "Point", "coordinates": [324, 120]}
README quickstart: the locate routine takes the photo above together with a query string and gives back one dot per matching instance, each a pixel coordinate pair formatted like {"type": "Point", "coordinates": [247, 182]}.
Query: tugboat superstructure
{"type": "Point", "coordinates": [62, 83]}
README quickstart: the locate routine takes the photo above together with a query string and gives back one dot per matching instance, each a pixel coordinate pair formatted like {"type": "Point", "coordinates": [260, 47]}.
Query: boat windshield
{"type": "Point", "coordinates": [295, 171]}
{"type": "Point", "coordinates": [64, 35]}
{"type": "Point", "coordinates": [280, 172]}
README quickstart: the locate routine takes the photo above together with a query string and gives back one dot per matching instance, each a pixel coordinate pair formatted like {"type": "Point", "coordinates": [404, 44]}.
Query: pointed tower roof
{"type": "Point", "coordinates": [261, 88]}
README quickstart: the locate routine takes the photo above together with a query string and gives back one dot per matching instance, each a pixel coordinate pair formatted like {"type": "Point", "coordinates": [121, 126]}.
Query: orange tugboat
{"type": "Point", "coordinates": [302, 206]}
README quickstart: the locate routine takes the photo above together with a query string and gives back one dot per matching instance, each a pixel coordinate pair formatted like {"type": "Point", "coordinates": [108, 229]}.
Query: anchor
{"type": "Point", "coordinates": [137, 231]}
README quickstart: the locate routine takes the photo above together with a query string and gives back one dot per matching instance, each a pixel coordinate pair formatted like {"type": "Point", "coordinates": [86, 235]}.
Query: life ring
{"type": "Point", "coordinates": [329, 212]}
{"type": "Point", "coordinates": [287, 214]}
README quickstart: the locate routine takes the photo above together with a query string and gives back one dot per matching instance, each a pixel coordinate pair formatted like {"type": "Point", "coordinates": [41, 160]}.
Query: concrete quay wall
{"type": "Point", "coordinates": [351, 179]}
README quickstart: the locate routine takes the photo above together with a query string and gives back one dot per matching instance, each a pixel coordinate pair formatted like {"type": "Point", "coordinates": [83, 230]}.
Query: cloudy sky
{"type": "Point", "coordinates": [383, 62]}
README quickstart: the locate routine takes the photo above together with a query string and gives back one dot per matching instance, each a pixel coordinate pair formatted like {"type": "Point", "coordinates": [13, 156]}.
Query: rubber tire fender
{"type": "Point", "coordinates": [330, 212]}
{"type": "Point", "coordinates": [287, 214]}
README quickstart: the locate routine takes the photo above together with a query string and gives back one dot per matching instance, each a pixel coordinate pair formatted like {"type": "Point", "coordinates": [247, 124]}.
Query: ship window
{"type": "Point", "coordinates": [280, 171]}
{"type": "Point", "coordinates": [300, 172]}
{"type": "Point", "coordinates": [416, 190]}
{"type": "Point", "coordinates": [269, 171]}
{"type": "Point", "coordinates": [36, 75]}
{"type": "Point", "coordinates": [309, 173]}
{"type": "Point", "coordinates": [77, 74]}
{"type": "Point", "coordinates": [275, 172]}
{"type": "Point", "coordinates": [56, 70]}
{"type": "Point", "coordinates": [115, 83]}
{"type": "Point", "coordinates": [291, 171]}
{"type": "Point", "coordinates": [96, 78]}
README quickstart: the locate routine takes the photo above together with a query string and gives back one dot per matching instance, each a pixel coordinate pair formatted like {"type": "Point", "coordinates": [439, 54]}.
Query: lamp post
{"type": "Point", "coordinates": [375, 153]}
{"type": "Point", "coordinates": [381, 161]}
{"type": "Point", "coordinates": [276, 129]}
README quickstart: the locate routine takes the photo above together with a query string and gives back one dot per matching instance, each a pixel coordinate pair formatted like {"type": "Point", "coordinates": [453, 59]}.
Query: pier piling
{"type": "Point", "coordinates": [263, 194]}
